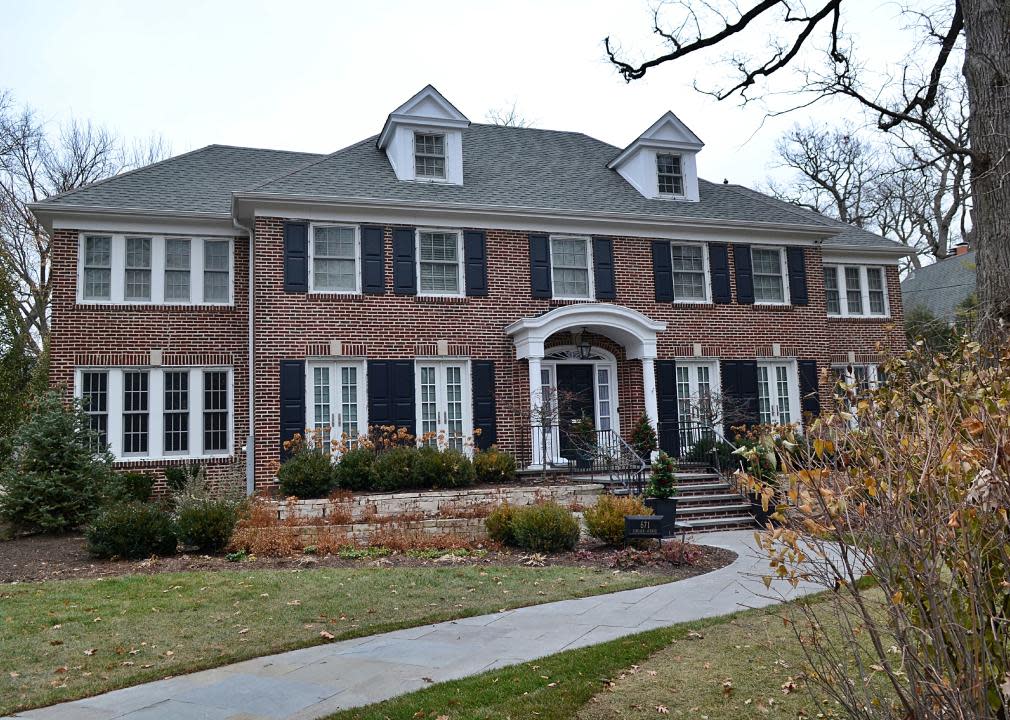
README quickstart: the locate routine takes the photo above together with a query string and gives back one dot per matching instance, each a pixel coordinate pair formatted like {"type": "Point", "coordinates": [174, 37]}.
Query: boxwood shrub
{"type": "Point", "coordinates": [131, 530]}
{"type": "Point", "coordinates": [494, 467]}
{"type": "Point", "coordinates": [207, 523]}
{"type": "Point", "coordinates": [308, 474]}
{"type": "Point", "coordinates": [545, 527]}
{"type": "Point", "coordinates": [354, 471]}
{"type": "Point", "coordinates": [434, 468]}
{"type": "Point", "coordinates": [499, 524]}
{"type": "Point", "coordinates": [393, 469]}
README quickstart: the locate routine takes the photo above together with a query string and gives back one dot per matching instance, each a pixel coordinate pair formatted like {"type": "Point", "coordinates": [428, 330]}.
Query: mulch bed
{"type": "Point", "coordinates": [36, 558]}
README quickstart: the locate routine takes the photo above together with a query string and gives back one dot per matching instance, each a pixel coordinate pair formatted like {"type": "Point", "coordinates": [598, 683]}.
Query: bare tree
{"type": "Point", "coordinates": [36, 164]}
{"type": "Point", "coordinates": [975, 30]}
{"type": "Point", "coordinates": [507, 117]}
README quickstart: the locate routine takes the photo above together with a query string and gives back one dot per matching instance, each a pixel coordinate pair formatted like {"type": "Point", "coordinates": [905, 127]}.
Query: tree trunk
{"type": "Point", "coordinates": [987, 72]}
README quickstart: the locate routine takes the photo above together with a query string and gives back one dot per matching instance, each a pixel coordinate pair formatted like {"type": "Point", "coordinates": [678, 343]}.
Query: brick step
{"type": "Point", "coordinates": [712, 498]}
{"type": "Point", "coordinates": [726, 522]}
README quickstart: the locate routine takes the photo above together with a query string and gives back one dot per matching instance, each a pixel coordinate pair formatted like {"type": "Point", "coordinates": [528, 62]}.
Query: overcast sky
{"type": "Point", "coordinates": [316, 76]}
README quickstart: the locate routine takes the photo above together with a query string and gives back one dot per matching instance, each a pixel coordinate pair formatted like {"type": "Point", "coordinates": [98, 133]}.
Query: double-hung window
{"type": "Point", "coordinates": [429, 155]}
{"type": "Point", "coordinates": [689, 277]}
{"type": "Point", "coordinates": [216, 271]}
{"type": "Point", "coordinates": [178, 263]}
{"type": "Point", "coordinates": [439, 262]}
{"type": "Point", "coordinates": [443, 409]}
{"type": "Point", "coordinates": [336, 404]}
{"type": "Point", "coordinates": [855, 291]}
{"type": "Point", "coordinates": [334, 259]}
{"type": "Point", "coordinates": [571, 261]}
{"type": "Point", "coordinates": [669, 174]}
{"type": "Point", "coordinates": [768, 270]}
{"type": "Point", "coordinates": [176, 412]}
{"type": "Point", "coordinates": [136, 412]}
{"type": "Point", "coordinates": [97, 267]}
{"type": "Point", "coordinates": [137, 285]}
{"type": "Point", "coordinates": [95, 400]}
{"type": "Point", "coordinates": [215, 411]}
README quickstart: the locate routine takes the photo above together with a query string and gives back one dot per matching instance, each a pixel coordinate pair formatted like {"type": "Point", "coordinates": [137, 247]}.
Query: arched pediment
{"type": "Point", "coordinates": [631, 329]}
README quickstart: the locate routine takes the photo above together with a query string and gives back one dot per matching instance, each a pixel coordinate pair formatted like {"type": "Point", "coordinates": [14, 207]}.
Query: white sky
{"type": "Point", "coordinates": [317, 76]}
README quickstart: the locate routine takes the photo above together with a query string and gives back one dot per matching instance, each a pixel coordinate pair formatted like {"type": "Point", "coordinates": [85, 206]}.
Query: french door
{"type": "Point", "coordinates": [778, 395]}
{"type": "Point", "coordinates": [696, 413]}
{"type": "Point", "coordinates": [336, 404]}
{"type": "Point", "coordinates": [443, 403]}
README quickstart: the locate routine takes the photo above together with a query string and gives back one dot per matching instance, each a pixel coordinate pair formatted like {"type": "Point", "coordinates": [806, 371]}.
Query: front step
{"type": "Point", "coordinates": [711, 524]}
{"type": "Point", "coordinates": [713, 498]}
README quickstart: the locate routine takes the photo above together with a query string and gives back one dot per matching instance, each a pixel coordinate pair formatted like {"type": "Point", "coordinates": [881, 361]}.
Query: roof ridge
{"type": "Point", "coordinates": [260, 149]}
{"type": "Point", "coordinates": [312, 163]}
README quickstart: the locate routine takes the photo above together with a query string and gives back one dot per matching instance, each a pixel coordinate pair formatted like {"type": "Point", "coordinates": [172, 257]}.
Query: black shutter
{"type": "Point", "coordinates": [391, 393]}
{"type": "Point", "coordinates": [603, 268]}
{"type": "Point", "coordinates": [540, 266]}
{"type": "Point", "coordinates": [662, 270]}
{"type": "Point", "coordinates": [296, 257]}
{"type": "Point", "coordinates": [797, 275]}
{"type": "Point", "coordinates": [404, 270]}
{"type": "Point", "coordinates": [475, 253]}
{"type": "Point", "coordinates": [484, 404]}
{"type": "Point", "coordinates": [744, 275]}
{"type": "Point", "coordinates": [666, 397]}
{"type": "Point", "coordinates": [810, 399]}
{"type": "Point", "coordinates": [718, 265]}
{"type": "Point", "coordinates": [373, 261]}
{"type": "Point", "coordinates": [740, 388]}
{"type": "Point", "coordinates": [292, 389]}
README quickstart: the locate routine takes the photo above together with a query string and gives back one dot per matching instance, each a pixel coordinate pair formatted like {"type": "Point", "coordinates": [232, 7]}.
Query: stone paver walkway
{"type": "Point", "coordinates": [313, 682]}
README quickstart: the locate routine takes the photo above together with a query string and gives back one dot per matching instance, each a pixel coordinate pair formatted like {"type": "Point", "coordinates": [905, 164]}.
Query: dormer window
{"type": "Point", "coordinates": [670, 174]}
{"type": "Point", "coordinates": [429, 155]}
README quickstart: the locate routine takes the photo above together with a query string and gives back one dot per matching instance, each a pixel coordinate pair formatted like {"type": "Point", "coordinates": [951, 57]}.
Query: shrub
{"type": "Point", "coordinates": [353, 472]}
{"type": "Point", "coordinates": [663, 481]}
{"type": "Point", "coordinates": [499, 525]}
{"type": "Point", "coordinates": [131, 530]}
{"type": "Point", "coordinates": [605, 519]}
{"type": "Point", "coordinates": [207, 523]}
{"type": "Point", "coordinates": [124, 487]}
{"type": "Point", "coordinates": [493, 467]}
{"type": "Point", "coordinates": [643, 437]}
{"type": "Point", "coordinates": [178, 476]}
{"type": "Point", "coordinates": [434, 468]}
{"type": "Point", "coordinates": [393, 469]}
{"type": "Point", "coordinates": [308, 474]}
{"type": "Point", "coordinates": [701, 452]}
{"type": "Point", "coordinates": [545, 527]}
{"type": "Point", "coordinates": [54, 478]}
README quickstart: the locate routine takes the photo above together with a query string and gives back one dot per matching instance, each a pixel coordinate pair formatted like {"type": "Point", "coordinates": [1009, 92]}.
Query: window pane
{"type": "Point", "coordinates": [138, 269]}
{"type": "Point", "coordinates": [687, 258]}
{"type": "Point", "coordinates": [135, 412]}
{"type": "Point", "coordinates": [875, 281]}
{"type": "Point", "coordinates": [333, 242]}
{"type": "Point", "coordinates": [98, 251]}
{"type": "Point", "coordinates": [176, 411]}
{"type": "Point", "coordinates": [215, 411]}
{"type": "Point", "coordinates": [831, 290]}
{"type": "Point", "coordinates": [571, 283]}
{"type": "Point", "coordinates": [95, 400]}
{"type": "Point", "coordinates": [97, 284]}
{"type": "Point", "coordinates": [764, 396]}
{"type": "Point", "coordinates": [97, 268]}
{"type": "Point", "coordinates": [569, 252]}
{"type": "Point", "coordinates": [349, 404]}
{"type": "Point", "coordinates": [439, 246]}
{"type": "Point", "coordinates": [603, 391]}
{"type": "Point", "coordinates": [689, 286]}
{"type": "Point", "coordinates": [454, 406]}
{"type": "Point", "coordinates": [439, 259]}
{"type": "Point", "coordinates": [767, 262]}
{"type": "Point", "coordinates": [853, 291]}
{"type": "Point", "coordinates": [782, 381]}
{"type": "Point", "coordinates": [767, 272]}
{"type": "Point", "coordinates": [683, 392]}
{"type": "Point", "coordinates": [215, 255]}
{"type": "Point", "coordinates": [429, 419]}
{"type": "Point", "coordinates": [439, 278]}
{"type": "Point", "coordinates": [334, 275]}
{"type": "Point", "coordinates": [429, 155]}
{"type": "Point", "coordinates": [177, 269]}
{"type": "Point", "coordinates": [768, 288]}
{"type": "Point", "coordinates": [669, 174]}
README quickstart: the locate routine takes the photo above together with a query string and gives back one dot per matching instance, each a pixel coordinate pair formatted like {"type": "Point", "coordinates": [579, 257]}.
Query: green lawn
{"type": "Point", "coordinates": [69, 639]}
{"type": "Point", "coordinates": [747, 665]}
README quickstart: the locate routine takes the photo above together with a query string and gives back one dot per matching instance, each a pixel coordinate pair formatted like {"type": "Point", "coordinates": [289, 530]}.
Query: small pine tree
{"type": "Point", "coordinates": [663, 482]}
{"type": "Point", "coordinates": [643, 437]}
{"type": "Point", "coordinates": [55, 477]}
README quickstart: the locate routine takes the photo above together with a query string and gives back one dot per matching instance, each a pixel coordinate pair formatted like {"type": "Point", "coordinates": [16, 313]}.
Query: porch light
{"type": "Point", "coordinates": [585, 349]}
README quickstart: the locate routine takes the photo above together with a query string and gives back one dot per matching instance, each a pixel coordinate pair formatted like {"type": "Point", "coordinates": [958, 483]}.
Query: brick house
{"type": "Point", "coordinates": [444, 276]}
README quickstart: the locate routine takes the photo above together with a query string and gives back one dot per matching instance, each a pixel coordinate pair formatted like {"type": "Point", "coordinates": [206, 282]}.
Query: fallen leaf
{"type": "Point", "coordinates": [662, 709]}
{"type": "Point", "coordinates": [90, 651]}
{"type": "Point", "coordinates": [326, 635]}
{"type": "Point", "coordinates": [243, 631]}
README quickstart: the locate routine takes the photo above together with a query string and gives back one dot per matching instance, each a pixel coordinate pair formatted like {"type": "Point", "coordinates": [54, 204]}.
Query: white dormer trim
{"type": "Point", "coordinates": [427, 112]}
{"type": "Point", "coordinates": [668, 135]}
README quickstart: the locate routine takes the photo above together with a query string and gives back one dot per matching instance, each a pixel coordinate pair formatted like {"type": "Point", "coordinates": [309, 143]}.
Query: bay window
{"type": "Point", "coordinates": [856, 291]}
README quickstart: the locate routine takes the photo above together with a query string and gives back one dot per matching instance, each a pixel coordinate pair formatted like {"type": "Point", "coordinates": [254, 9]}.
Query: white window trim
{"type": "Point", "coordinates": [312, 259]}
{"type": "Point", "coordinates": [714, 382]}
{"type": "Point", "coordinates": [683, 177]}
{"type": "Point", "coordinates": [793, 378]}
{"type": "Point", "coordinates": [872, 373]}
{"type": "Point", "coordinates": [117, 286]}
{"type": "Point", "coordinates": [864, 285]}
{"type": "Point", "coordinates": [155, 409]}
{"type": "Point", "coordinates": [467, 399]}
{"type": "Point", "coordinates": [334, 364]}
{"type": "Point", "coordinates": [590, 267]}
{"type": "Point", "coordinates": [461, 282]}
{"type": "Point", "coordinates": [445, 156]}
{"type": "Point", "coordinates": [783, 268]}
{"type": "Point", "coordinates": [705, 270]}
{"type": "Point", "coordinates": [609, 362]}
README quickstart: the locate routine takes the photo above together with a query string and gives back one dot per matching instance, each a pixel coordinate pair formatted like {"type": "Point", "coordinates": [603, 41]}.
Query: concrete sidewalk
{"type": "Point", "coordinates": [313, 682]}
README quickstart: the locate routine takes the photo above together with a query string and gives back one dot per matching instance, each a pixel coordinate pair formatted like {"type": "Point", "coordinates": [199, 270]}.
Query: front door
{"type": "Point", "coordinates": [575, 400]}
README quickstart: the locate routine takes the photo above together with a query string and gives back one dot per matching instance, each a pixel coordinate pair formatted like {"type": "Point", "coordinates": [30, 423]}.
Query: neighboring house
{"type": "Point", "coordinates": [942, 287]}
{"type": "Point", "coordinates": [443, 276]}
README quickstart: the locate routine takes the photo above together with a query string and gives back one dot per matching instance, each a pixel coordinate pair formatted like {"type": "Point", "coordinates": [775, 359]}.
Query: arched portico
{"type": "Point", "coordinates": [635, 332]}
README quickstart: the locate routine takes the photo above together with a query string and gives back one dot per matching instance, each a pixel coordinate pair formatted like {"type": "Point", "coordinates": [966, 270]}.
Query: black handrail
{"type": "Point", "coordinates": [585, 451]}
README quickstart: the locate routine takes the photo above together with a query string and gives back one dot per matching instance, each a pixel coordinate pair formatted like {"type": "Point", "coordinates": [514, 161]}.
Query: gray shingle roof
{"type": "Point", "coordinates": [940, 287]}
{"type": "Point", "coordinates": [502, 167]}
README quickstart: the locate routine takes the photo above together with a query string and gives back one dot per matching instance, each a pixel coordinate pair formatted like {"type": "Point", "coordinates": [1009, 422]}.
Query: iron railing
{"type": "Point", "coordinates": [593, 452]}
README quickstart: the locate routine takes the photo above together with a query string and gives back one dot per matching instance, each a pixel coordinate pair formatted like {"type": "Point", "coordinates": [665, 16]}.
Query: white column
{"type": "Point", "coordinates": [536, 456]}
{"type": "Point", "coordinates": [649, 390]}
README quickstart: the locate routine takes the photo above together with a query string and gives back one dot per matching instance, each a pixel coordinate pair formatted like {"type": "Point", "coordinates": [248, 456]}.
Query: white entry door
{"type": "Point", "coordinates": [443, 402]}
{"type": "Point", "coordinates": [778, 393]}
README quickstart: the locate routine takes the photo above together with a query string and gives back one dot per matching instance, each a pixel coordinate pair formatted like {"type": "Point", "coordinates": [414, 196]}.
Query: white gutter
{"type": "Point", "coordinates": [250, 440]}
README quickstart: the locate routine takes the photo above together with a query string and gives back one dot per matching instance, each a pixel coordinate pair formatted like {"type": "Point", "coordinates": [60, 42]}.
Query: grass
{"type": "Point", "coordinates": [746, 665]}
{"type": "Point", "coordinates": [63, 640]}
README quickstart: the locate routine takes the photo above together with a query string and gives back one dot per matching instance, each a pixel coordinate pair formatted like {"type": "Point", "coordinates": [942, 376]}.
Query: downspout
{"type": "Point", "coordinates": [250, 441]}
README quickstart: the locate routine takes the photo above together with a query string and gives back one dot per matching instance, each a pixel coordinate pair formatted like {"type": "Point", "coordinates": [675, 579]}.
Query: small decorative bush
{"type": "Point", "coordinates": [663, 481]}
{"type": "Point", "coordinates": [643, 437]}
{"type": "Point", "coordinates": [354, 471]}
{"type": "Point", "coordinates": [207, 523]}
{"type": "Point", "coordinates": [130, 531]}
{"type": "Point", "coordinates": [178, 477]}
{"type": "Point", "coordinates": [308, 474]}
{"type": "Point", "coordinates": [393, 469]}
{"type": "Point", "coordinates": [56, 474]}
{"type": "Point", "coordinates": [499, 525]}
{"type": "Point", "coordinates": [124, 487]}
{"type": "Point", "coordinates": [702, 451]}
{"type": "Point", "coordinates": [545, 527]}
{"type": "Point", "coordinates": [605, 519]}
{"type": "Point", "coordinates": [493, 467]}
{"type": "Point", "coordinates": [434, 468]}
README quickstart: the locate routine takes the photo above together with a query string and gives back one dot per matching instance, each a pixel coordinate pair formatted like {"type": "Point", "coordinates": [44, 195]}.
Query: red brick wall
{"type": "Point", "coordinates": [392, 326]}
